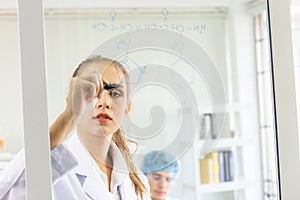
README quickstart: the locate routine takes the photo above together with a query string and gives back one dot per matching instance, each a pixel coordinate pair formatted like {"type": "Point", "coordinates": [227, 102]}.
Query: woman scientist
{"type": "Point", "coordinates": [94, 162]}
{"type": "Point", "coordinates": [161, 169]}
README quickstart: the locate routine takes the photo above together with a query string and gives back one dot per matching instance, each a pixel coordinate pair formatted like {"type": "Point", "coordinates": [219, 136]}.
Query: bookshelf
{"type": "Point", "coordinates": [223, 143]}
{"type": "Point", "coordinates": [241, 132]}
{"type": "Point", "coordinates": [234, 187]}
{"type": "Point", "coordinates": [222, 187]}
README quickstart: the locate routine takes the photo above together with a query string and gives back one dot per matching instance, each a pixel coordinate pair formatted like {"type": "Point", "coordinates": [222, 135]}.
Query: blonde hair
{"type": "Point", "coordinates": [118, 136]}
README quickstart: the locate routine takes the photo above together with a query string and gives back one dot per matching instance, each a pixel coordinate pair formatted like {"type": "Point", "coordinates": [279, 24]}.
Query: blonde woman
{"type": "Point", "coordinates": [94, 162]}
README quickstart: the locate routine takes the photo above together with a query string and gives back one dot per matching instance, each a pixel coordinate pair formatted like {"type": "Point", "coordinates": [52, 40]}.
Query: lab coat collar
{"type": "Point", "coordinates": [120, 170]}
{"type": "Point", "coordinates": [86, 170]}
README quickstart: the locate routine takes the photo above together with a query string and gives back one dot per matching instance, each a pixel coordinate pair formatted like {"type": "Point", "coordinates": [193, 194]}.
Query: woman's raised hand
{"type": "Point", "coordinates": [83, 90]}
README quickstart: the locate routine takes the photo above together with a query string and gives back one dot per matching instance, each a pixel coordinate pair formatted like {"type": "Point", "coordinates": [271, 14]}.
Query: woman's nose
{"type": "Point", "coordinates": [104, 101]}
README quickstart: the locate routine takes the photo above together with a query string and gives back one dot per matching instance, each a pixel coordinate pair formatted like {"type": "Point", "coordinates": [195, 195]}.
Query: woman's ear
{"type": "Point", "coordinates": [128, 108]}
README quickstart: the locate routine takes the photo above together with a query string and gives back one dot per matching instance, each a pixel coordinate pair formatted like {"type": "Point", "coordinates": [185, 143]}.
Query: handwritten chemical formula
{"type": "Point", "coordinates": [113, 25]}
{"type": "Point", "coordinates": [180, 28]}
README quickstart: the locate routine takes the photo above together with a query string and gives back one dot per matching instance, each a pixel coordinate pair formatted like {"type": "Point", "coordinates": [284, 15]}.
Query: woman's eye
{"type": "Point", "coordinates": [115, 93]}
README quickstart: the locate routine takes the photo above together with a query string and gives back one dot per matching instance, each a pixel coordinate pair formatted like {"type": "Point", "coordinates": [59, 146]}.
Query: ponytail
{"type": "Point", "coordinates": [120, 140]}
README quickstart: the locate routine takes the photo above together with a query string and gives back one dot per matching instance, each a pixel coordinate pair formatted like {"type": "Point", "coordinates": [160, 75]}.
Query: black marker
{"type": "Point", "coordinates": [109, 86]}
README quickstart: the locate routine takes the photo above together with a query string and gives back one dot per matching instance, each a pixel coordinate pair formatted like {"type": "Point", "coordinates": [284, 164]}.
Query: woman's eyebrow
{"type": "Point", "coordinates": [109, 86]}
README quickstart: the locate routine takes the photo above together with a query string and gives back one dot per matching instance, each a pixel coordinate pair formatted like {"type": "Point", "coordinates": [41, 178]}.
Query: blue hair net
{"type": "Point", "coordinates": [160, 160]}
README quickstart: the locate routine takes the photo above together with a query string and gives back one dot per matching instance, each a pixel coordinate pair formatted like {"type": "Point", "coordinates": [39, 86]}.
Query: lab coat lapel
{"type": "Point", "coordinates": [81, 154]}
{"type": "Point", "coordinates": [96, 189]}
{"type": "Point", "coordinates": [120, 170]}
{"type": "Point", "coordinates": [90, 181]}
{"type": "Point", "coordinates": [120, 175]}
{"type": "Point", "coordinates": [127, 189]}
{"type": "Point", "coordinates": [93, 187]}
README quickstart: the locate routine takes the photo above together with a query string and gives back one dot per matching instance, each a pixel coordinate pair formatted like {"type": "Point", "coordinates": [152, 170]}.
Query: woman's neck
{"type": "Point", "coordinates": [98, 147]}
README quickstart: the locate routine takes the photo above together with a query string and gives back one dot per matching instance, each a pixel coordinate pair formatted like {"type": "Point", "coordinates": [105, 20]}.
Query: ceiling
{"type": "Point", "coordinates": [12, 4]}
{"type": "Point", "coordinates": [88, 4]}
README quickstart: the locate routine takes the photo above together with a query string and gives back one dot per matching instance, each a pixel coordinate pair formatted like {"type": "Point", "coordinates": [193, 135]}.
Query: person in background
{"type": "Point", "coordinates": [161, 169]}
{"type": "Point", "coordinates": [94, 162]}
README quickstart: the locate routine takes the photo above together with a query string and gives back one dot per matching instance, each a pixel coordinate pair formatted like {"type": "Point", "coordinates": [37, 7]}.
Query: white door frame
{"type": "Point", "coordinates": [34, 97]}
{"type": "Point", "coordinates": [285, 98]}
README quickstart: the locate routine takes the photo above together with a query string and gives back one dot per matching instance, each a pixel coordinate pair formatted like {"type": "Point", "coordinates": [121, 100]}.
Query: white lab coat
{"type": "Point", "coordinates": [74, 176]}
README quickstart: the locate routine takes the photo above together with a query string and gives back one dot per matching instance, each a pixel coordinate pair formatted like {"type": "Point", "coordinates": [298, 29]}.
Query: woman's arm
{"type": "Point", "coordinates": [82, 89]}
{"type": "Point", "coordinates": [61, 128]}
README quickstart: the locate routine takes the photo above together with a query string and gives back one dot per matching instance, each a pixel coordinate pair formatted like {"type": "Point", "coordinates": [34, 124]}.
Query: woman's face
{"type": "Point", "coordinates": [104, 114]}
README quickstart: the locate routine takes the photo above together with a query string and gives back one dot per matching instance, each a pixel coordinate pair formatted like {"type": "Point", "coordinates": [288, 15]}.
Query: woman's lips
{"type": "Point", "coordinates": [103, 117]}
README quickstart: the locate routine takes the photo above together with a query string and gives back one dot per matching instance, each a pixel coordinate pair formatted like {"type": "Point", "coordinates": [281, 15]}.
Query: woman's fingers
{"type": "Point", "coordinates": [85, 89]}
{"type": "Point", "coordinates": [92, 80]}
{"type": "Point", "coordinates": [91, 84]}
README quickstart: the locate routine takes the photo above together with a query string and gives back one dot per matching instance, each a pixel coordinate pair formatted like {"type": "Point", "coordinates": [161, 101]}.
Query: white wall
{"type": "Point", "coordinates": [10, 102]}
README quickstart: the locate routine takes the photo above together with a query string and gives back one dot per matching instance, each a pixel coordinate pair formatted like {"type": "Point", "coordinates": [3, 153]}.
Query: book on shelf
{"type": "Point", "coordinates": [206, 170]}
{"type": "Point", "coordinates": [209, 168]}
{"type": "Point", "coordinates": [217, 167]}
{"type": "Point", "coordinates": [208, 126]}
{"type": "Point", "coordinates": [204, 126]}
{"type": "Point", "coordinates": [226, 166]}
{"type": "Point", "coordinates": [222, 168]}
{"type": "Point", "coordinates": [231, 165]}
{"type": "Point", "coordinates": [215, 125]}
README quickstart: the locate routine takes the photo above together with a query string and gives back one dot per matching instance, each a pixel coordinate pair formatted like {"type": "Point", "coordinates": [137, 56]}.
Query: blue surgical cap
{"type": "Point", "coordinates": [160, 160]}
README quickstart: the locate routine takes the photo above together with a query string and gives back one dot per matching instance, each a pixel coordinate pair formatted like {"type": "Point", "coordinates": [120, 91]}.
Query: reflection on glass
{"type": "Point", "coordinates": [232, 146]}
